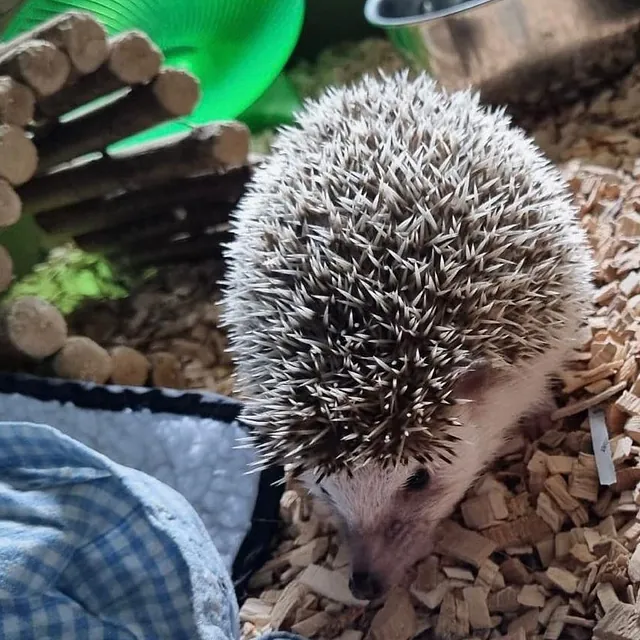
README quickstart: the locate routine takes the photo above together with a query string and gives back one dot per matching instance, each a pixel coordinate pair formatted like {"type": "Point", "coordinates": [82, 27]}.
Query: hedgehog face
{"type": "Point", "coordinates": [389, 516]}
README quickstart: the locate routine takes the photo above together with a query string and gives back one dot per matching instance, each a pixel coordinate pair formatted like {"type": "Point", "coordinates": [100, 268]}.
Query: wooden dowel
{"type": "Point", "coordinates": [38, 64]}
{"type": "Point", "coordinates": [132, 59]}
{"type": "Point", "coordinates": [17, 102]}
{"type": "Point", "coordinates": [10, 205]}
{"type": "Point", "coordinates": [196, 254]}
{"type": "Point", "coordinates": [166, 371]}
{"type": "Point", "coordinates": [130, 367]}
{"type": "Point", "coordinates": [127, 209]}
{"type": "Point", "coordinates": [83, 359]}
{"type": "Point", "coordinates": [173, 93]}
{"type": "Point", "coordinates": [208, 148]}
{"type": "Point", "coordinates": [31, 327]}
{"type": "Point", "coordinates": [77, 33]}
{"type": "Point", "coordinates": [164, 224]}
{"type": "Point", "coordinates": [171, 225]}
{"type": "Point", "coordinates": [167, 251]}
{"type": "Point", "coordinates": [18, 155]}
{"type": "Point", "coordinates": [6, 269]}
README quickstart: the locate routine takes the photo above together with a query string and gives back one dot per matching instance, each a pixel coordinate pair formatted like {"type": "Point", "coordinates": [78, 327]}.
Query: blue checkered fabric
{"type": "Point", "coordinates": [91, 550]}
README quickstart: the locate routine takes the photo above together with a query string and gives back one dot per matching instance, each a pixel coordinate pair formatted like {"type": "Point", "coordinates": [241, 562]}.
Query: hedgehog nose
{"type": "Point", "coordinates": [365, 585]}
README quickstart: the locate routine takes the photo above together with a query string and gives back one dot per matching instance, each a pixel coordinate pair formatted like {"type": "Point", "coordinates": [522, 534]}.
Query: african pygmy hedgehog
{"type": "Point", "coordinates": [406, 274]}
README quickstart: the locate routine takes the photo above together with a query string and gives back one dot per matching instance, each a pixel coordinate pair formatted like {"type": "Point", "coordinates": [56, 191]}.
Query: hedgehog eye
{"type": "Point", "coordinates": [418, 481]}
{"type": "Point", "coordinates": [324, 491]}
{"type": "Point", "coordinates": [394, 529]}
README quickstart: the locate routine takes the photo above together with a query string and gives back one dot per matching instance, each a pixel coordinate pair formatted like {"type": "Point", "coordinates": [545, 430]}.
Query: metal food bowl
{"type": "Point", "coordinates": [514, 51]}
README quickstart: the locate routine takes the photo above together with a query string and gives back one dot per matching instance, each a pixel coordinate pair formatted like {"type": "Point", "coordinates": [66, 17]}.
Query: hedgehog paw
{"type": "Point", "coordinates": [535, 423]}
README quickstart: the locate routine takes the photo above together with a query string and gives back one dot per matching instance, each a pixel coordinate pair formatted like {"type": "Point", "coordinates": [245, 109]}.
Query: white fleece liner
{"type": "Point", "coordinates": [196, 456]}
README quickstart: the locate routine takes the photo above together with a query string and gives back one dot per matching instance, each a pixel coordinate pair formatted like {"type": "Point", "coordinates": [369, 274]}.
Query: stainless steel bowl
{"type": "Point", "coordinates": [514, 51]}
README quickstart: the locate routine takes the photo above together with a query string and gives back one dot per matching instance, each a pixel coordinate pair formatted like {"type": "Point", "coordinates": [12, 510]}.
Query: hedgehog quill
{"type": "Point", "coordinates": [407, 274]}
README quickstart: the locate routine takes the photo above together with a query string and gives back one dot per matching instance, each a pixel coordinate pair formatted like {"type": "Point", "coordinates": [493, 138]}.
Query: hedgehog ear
{"type": "Point", "coordinates": [474, 380]}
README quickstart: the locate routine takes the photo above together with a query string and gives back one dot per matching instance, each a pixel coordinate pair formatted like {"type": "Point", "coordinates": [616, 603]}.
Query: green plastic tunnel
{"type": "Point", "coordinates": [236, 48]}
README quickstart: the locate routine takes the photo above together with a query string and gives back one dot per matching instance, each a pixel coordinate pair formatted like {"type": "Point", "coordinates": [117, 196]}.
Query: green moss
{"type": "Point", "coordinates": [69, 276]}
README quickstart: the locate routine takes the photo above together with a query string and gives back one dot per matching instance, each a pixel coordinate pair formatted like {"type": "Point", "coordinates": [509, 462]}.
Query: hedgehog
{"type": "Point", "coordinates": [406, 276]}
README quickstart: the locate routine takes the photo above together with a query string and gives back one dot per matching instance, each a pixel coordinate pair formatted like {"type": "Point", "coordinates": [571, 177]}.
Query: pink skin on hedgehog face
{"type": "Point", "coordinates": [389, 518]}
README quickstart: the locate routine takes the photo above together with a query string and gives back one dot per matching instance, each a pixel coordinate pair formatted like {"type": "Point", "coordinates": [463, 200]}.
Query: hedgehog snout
{"type": "Point", "coordinates": [368, 579]}
{"type": "Point", "coordinates": [380, 562]}
{"type": "Point", "coordinates": [366, 585]}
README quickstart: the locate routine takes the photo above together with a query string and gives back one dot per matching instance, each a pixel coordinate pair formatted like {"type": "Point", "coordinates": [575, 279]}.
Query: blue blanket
{"type": "Point", "coordinates": [93, 550]}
